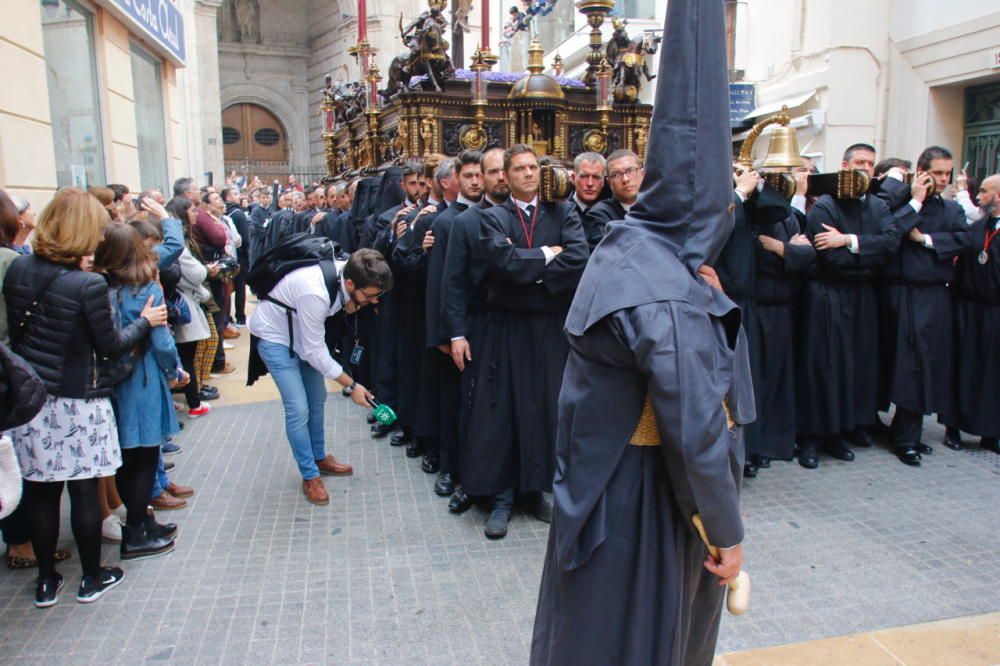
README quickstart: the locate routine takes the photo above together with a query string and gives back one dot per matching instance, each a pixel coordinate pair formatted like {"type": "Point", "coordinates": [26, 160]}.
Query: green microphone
{"type": "Point", "coordinates": [382, 413]}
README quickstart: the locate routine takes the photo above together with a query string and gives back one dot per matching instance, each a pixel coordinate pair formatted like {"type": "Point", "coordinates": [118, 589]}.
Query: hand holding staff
{"type": "Point", "coordinates": [738, 594]}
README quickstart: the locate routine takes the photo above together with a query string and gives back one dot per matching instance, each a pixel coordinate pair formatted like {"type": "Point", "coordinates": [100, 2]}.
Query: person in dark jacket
{"type": "Point", "coordinates": [60, 322]}
{"type": "Point", "coordinates": [624, 172]}
{"type": "Point", "coordinates": [239, 218]}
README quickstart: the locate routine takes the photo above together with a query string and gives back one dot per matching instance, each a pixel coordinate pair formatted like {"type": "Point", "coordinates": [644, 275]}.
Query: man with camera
{"type": "Point", "coordinates": [292, 344]}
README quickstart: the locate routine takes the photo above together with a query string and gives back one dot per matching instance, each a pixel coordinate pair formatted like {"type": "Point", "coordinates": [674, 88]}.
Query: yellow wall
{"type": "Point", "coordinates": [27, 164]}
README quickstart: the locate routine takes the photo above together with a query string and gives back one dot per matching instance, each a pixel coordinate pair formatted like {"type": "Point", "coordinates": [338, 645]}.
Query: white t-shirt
{"type": "Point", "coordinates": [305, 290]}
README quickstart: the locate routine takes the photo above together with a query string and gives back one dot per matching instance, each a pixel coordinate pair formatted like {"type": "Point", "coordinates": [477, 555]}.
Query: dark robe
{"type": "Point", "coordinates": [777, 283]}
{"type": "Point", "coordinates": [512, 443]}
{"type": "Point", "coordinates": [464, 310]}
{"type": "Point", "coordinates": [281, 226]}
{"type": "Point", "coordinates": [976, 374]}
{"type": "Point", "coordinates": [597, 218]}
{"type": "Point", "coordinates": [258, 222]}
{"type": "Point", "coordinates": [384, 343]}
{"type": "Point", "coordinates": [838, 368]}
{"type": "Point", "coordinates": [409, 263]}
{"type": "Point", "coordinates": [440, 380]}
{"type": "Point", "coordinates": [918, 310]}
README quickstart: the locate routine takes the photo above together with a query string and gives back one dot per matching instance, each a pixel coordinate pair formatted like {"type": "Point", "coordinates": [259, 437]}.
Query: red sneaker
{"type": "Point", "coordinates": [199, 411]}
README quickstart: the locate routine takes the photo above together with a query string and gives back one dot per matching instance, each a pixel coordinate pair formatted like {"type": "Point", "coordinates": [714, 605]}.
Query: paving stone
{"type": "Point", "coordinates": [385, 575]}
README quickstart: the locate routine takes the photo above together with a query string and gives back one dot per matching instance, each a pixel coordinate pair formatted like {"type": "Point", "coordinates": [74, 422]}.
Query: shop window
{"type": "Point", "coordinates": [150, 114]}
{"type": "Point", "coordinates": [71, 72]}
{"type": "Point", "coordinates": [635, 9]}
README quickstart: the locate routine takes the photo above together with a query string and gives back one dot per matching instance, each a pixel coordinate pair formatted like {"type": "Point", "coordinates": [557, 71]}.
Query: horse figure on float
{"type": "Point", "coordinates": [627, 57]}
{"type": "Point", "coordinates": [428, 54]}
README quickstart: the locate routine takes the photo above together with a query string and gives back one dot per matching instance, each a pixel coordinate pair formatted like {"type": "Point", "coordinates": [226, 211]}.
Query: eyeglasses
{"type": "Point", "coordinates": [631, 172]}
{"type": "Point", "coordinates": [369, 297]}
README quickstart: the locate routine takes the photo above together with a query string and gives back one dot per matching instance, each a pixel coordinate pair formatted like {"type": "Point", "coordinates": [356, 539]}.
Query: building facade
{"type": "Point", "coordinates": [99, 91]}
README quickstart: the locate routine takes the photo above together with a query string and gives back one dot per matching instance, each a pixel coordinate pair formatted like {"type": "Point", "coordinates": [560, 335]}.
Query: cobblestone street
{"type": "Point", "coordinates": [384, 575]}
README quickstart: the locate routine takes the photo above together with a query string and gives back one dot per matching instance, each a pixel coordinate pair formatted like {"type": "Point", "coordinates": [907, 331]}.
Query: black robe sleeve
{"type": "Point", "coordinates": [456, 283]}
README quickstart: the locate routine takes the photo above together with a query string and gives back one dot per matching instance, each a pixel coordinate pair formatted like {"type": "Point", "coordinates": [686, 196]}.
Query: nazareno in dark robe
{"type": "Point", "coordinates": [778, 280]}
{"type": "Point", "coordinates": [512, 441]}
{"type": "Point", "coordinates": [838, 364]}
{"type": "Point", "coordinates": [917, 313]}
{"type": "Point", "coordinates": [464, 310]}
{"type": "Point", "coordinates": [976, 368]}
{"type": "Point", "coordinates": [439, 402]}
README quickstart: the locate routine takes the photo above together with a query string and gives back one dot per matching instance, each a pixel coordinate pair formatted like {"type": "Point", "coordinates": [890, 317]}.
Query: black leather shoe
{"type": "Point", "coordinates": [541, 508]}
{"type": "Point", "coordinates": [763, 462]}
{"type": "Point", "coordinates": [459, 502]}
{"type": "Point", "coordinates": [413, 450]}
{"type": "Point", "coordinates": [444, 486]}
{"type": "Point", "coordinates": [908, 455]}
{"type": "Point", "coordinates": [370, 418]}
{"type": "Point", "coordinates": [923, 449]}
{"type": "Point", "coordinates": [952, 439]}
{"type": "Point", "coordinates": [838, 450]}
{"type": "Point", "coordinates": [749, 470]}
{"type": "Point", "coordinates": [990, 444]}
{"type": "Point", "coordinates": [380, 430]}
{"type": "Point", "coordinates": [496, 526]}
{"type": "Point", "coordinates": [861, 439]}
{"type": "Point", "coordinates": [138, 543]}
{"type": "Point", "coordinates": [808, 457]}
{"type": "Point", "coordinates": [430, 464]}
{"type": "Point", "coordinates": [399, 439]}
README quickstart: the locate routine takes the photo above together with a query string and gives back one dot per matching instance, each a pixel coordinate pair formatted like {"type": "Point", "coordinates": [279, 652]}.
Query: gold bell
{"type": "Point", "coordinates": [783, 150]}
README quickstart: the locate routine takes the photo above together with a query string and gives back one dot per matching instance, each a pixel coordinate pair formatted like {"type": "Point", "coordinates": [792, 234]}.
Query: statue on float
{"type": "Point", "coordinates": [427, 55]}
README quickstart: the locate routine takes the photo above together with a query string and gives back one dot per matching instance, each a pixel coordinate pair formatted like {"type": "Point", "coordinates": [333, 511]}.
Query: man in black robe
{"type": "Point", "coordinates": [464, 303]}
{"type": "Point", "coordinates": [917, 298]}
{"type": "Point", "coordinates": [259, 218]}
{"type": "Point", "coordinates": [625, 174]}
{"type": "Point", "coordinates": [409, 260]}
{"type": "Point", "coordinates": [397, 196]}
{"type": "Point", "coordinates": [976, 404]}
{"type": "Point", "coordinates": [440, 380]}
{"type": "Point", "coordinates": [657, 371]}
{"type": "Point", "coordinates": [780, 255]}
{"type": "Point", "coordinates": [838, 361]}
{"type": "Point", "coordinates": [536, 252]}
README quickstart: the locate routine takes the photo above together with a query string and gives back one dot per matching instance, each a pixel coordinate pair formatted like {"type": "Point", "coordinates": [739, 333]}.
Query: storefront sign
{"type": "Point", "coordinates": [742, 100]}
{"type": "Point", "coordinates": [159, 20]}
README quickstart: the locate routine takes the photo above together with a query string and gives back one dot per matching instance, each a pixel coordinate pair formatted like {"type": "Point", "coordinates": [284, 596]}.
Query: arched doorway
{"type": "Point", "coordinates": [254, 142]}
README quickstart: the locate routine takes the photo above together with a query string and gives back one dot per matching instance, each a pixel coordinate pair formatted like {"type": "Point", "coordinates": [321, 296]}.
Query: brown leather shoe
{"type": "Point", "coordinates": [230, 334]}
{"type": "Point", "coordinates": [315, 491]}
{"type": "Point", "coordinates": [167, 502]}
{"type": "Point", "coordinates": [227, 369]}
{"type": "Point", "coordinates": [180, 491]}
{"type": "Point", "coordinates": [333, 467]}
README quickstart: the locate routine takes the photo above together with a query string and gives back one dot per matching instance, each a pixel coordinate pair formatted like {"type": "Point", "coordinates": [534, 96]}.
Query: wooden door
{"type": "Point", "coordinates": [254, 140]}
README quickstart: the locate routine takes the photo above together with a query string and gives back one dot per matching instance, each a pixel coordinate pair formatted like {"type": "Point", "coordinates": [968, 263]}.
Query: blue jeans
{"type": "Point", "coordinates": [303, 395]}
{"type": "Point", "coordinates": [161, 481]}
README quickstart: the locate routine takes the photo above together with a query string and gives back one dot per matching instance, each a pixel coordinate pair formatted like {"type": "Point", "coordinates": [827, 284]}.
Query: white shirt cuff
{"type": "Point", "coordinates": [549, 254]}
{"type": "Point", "coordinates": [740, 194]}
{"type": "Point", "coordinates": [928, 241]}
{"type": "Point", "coordinates": [852, 245]}
{"type": "Point", "coordinates": [916, 205]}
{"type": "Point", "coordinates": [895, 172]}
{"type": "Point", "coordinates": [461, 337]}
{"type": "Point", "coordinates": [799, 203]}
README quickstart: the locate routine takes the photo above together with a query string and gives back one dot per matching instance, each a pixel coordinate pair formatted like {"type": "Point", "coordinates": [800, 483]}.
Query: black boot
{"type": "Point", "coordinates": [953, 439]}
{"type": "Point", "coordinates": [908, 455]}
{"type": "Point", "coordinates": [445, 485]}
{"type": "Point", "coordinates": [750, 470]}
{"type": "Point", "coordinates": [808, 456]}
{"type": "Point", "coordinates": [138, 543]}
{"type": "Point", "coordinates": [160, 530]}
{"type": "Point", "coordinates": [431, 464]}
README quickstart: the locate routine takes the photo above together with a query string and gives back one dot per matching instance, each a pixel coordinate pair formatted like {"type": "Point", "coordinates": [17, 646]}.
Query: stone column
{"type": "Point", "coordinates": [204, 101]}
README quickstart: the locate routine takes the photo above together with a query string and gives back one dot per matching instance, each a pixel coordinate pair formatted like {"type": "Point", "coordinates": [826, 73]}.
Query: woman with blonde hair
{"type": "Point", "coordinates": [60, 322]}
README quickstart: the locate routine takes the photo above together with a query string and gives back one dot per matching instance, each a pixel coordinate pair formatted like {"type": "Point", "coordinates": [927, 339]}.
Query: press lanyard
{"type": "Point", "coordinates": [529, 235]}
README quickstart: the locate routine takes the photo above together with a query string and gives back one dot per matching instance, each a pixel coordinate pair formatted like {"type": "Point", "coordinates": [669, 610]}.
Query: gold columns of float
{"type": "Point", "coordinates": [474, 137]}
{"type": "Point", "coordinates": [597, 140]}
{"type": "Point", "coordinates": [373, 78]}
{"type": "Point", "coordinates": [596, 12]}
{"type": "Point", "coordinates": [783, 150]}
{"type": "Point", "coordinates": [326, 109]}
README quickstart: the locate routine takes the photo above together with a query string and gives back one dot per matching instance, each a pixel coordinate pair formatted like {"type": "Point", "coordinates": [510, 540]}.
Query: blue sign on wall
{"type": "Point", "coordinates": [742, 100]}
{"type": "Point", "coordinates": [160, 20]}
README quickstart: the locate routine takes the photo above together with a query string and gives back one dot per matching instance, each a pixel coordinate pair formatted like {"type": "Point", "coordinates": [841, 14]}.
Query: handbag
{"type": "Point", "coordinates": [178, 312]}
{"type": "Point", "coordinates": [10, 478]}
{"type": "Point", "coordinates": [22, 391]}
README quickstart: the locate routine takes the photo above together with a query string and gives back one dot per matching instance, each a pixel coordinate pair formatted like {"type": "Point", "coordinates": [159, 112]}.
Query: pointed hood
{"type": "Point", "coordinates": [683, 215]}
{"type": "Point", "coordinates": [686, 196]}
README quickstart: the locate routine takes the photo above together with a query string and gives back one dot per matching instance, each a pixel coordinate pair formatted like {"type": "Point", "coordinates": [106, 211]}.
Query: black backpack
{"type": "Point", "coordinates": [22, 392]}
{"type": "Point", "coordinates": [292, 253]}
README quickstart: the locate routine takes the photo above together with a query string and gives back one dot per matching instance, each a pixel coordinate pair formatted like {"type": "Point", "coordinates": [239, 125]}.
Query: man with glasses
{"type": "Point", "coordinates": [588, 181]}
{"type": "Point", "coordinates": [292, 344]}
{"type": "Point", "coordinates": [625, 177]}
